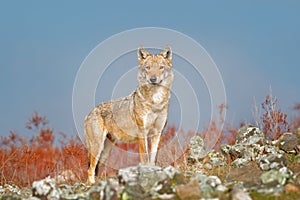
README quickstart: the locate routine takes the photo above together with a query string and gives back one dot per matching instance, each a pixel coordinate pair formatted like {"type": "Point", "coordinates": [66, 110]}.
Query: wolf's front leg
{"type": "Point", "coordinates": [154, 147]}
{"type": "Point", "coordinates": [159, 125]}
{"type": "Point", "coordinates": [143, 147]}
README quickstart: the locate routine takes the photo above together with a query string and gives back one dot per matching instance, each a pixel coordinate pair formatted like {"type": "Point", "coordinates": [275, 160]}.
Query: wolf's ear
{"type": "Point", "coordinates": [142, 53]}
{"type": "Point", "coordinates": [167, 53]}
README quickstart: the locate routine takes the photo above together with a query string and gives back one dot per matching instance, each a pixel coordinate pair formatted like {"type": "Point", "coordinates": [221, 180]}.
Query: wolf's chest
{"type": "Point", "coordinates": [159, 96]}
{"type": "Point", "coordinates": [159, 99]}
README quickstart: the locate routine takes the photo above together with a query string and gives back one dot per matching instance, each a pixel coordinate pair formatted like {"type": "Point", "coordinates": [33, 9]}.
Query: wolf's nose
{"type": "Point", "coordinates": [153, 79]}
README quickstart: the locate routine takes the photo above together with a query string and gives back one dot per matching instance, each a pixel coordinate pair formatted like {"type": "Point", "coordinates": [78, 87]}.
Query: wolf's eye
{"type": "Point", "coordinates": [147, 67]}
{"type": "Point", "coordinates": [161, 67]}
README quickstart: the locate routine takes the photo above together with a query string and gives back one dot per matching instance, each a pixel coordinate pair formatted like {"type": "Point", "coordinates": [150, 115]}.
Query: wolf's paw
{"type": "Point", "coordinates": [90, 181]}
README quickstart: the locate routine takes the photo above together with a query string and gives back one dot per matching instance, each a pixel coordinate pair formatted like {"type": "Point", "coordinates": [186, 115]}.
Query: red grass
{"type": "Point", "coordinates": [25, 160]}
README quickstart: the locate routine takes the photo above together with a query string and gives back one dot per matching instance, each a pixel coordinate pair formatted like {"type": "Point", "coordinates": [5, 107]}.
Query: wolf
{"type": "Point", "coordinates": [133, 118]}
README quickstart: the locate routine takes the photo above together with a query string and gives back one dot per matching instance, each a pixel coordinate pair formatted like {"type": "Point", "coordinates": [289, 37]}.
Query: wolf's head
{"type": "Point", "coordinates": [155, 69]}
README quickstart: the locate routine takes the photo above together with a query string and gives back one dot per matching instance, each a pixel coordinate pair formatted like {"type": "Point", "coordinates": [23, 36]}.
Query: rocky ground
{"type": "Point", "coordinates": [252, 168]}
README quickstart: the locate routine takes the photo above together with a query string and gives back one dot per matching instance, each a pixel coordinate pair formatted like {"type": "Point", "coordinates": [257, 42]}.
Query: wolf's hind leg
{"type": "Point", "coordinates": [95, 152]}
{"type": "Point", "coordinates": [96, 137]}
{"type": "Point", "coordinates": [108, 145]}
{"type": "Point", "coordinates": [91, 171]}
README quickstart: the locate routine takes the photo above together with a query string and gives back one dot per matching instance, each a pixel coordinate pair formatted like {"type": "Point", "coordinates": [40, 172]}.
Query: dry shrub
{"type": "Point", "coordinates": [295, 121]}
{"type": "Point", "coordinates": [274, 121]}
{"type": "Point", "coordinates": [230, 137]}
{"type": "Point", "coordinates": [217, 134]}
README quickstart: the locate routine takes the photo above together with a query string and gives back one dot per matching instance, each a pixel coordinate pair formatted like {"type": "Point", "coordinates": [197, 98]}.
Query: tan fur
{"type": "Point", "coordinates": [136, 117]}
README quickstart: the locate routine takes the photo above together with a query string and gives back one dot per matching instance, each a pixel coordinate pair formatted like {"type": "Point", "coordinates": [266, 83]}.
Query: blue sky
{"type": "Point", "coordinates": [42, 45]}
